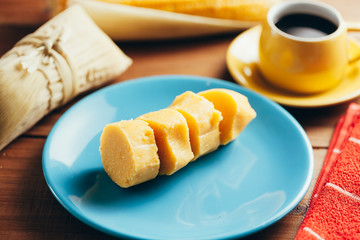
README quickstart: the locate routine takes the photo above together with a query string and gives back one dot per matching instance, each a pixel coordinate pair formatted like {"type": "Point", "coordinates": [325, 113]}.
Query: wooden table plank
{"type": "Point", "coordinates": [28, 210]}
{"type": "Point", "coordinates": [24, 12]}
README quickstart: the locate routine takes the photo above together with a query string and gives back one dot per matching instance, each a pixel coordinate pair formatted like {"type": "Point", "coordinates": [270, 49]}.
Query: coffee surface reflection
{"type": "Point", "coordinates": [306, 25]}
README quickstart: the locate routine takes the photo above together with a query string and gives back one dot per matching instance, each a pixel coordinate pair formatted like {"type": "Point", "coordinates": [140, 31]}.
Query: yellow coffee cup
{"type": "Point", "coordinates": [303, 47]}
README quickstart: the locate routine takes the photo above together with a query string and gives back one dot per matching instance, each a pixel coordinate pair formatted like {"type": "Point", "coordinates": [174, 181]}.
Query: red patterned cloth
{"type": "Point", "coordinates": [334, 209]}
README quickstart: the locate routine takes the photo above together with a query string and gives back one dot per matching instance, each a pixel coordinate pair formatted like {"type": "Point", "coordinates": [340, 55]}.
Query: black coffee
{"type": "Point", "coordinates": [306, 25]}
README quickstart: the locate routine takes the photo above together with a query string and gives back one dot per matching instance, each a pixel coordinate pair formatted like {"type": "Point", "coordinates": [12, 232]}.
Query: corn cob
{"type": "Point", "coordinates": [66, 56]}
{"type": "Point", "coordinates": [168, 19]}
{"type": "Point", "coordinates": [245, 10]}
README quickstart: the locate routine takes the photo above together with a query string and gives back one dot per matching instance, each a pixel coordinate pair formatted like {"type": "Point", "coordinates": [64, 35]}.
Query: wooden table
{"type": "Point", "coordinates": [28, 210]}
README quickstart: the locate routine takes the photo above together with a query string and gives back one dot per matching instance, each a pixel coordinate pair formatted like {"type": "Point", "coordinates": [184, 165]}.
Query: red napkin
{"type": "Point", "coordinates": [334, 209]}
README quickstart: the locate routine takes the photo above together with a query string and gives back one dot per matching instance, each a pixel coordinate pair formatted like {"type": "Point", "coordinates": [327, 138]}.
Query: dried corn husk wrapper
{"type": "Point", "coordinates": [46, 69]}
{"type": "Point", "coordinates": [170, 19]}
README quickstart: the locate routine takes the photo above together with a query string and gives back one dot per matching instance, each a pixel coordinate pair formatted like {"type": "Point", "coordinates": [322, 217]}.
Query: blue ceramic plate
{"type": "Point", "coordinates": [234, 191]}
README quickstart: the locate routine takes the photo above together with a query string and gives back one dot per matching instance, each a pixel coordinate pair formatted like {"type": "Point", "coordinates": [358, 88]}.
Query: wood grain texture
{"type": "Point", "coordinates": [24, 12]}
{"type": "Point", "coordinates": [28, 210]}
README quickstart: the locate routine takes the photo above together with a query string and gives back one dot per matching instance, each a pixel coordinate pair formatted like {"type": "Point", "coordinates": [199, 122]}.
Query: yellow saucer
{"type": "Point", "coordinates": [242, 62]}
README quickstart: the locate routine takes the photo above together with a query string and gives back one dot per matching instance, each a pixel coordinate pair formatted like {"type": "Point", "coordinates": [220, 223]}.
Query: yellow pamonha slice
{"type": "Point", "coordinates": [235, 108]}
{"type": "Point", "coordinates": [172, 138]}
{"type": "Point", "coordinates": [203, 121]}
{"type": "Point", "coordinates": [129, 152]}
{"type": "Point", "coordinates": [164, 141]}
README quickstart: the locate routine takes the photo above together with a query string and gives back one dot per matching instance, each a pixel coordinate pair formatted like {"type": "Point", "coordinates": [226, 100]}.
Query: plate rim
{"type": "Point", "coordinates": [279, 215]}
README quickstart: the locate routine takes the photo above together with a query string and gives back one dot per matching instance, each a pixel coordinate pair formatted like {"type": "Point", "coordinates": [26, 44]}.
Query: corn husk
{"type": "Point", "coordinates": [131, 20]}
{"type": "Point", "coordinates": [66, 56]}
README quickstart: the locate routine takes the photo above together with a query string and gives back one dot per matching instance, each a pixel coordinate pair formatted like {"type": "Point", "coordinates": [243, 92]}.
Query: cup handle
{"type": "Point", "coordinates": [353, 26]}
{"type": "Point", "coordinates": [354, 48]}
